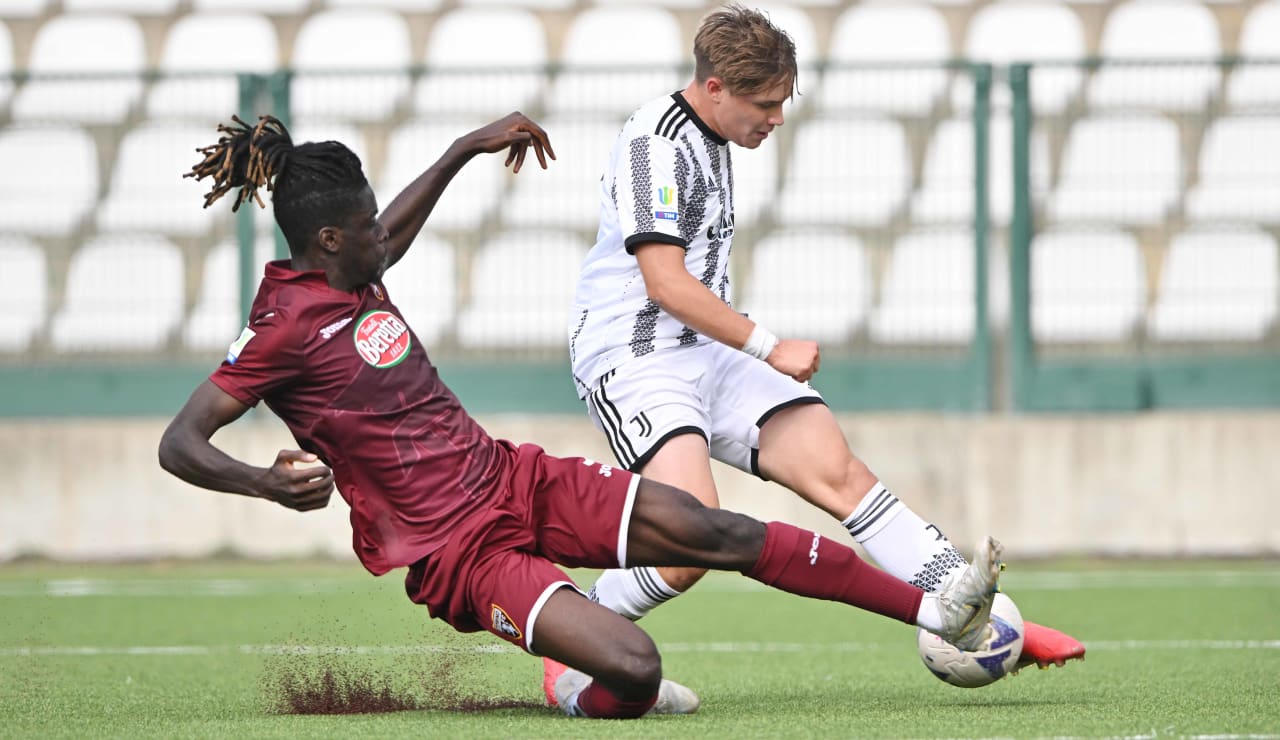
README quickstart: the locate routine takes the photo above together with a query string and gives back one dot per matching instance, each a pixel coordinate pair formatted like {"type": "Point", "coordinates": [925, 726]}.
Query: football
{"type": "Point", "coordinates": [986, 665]}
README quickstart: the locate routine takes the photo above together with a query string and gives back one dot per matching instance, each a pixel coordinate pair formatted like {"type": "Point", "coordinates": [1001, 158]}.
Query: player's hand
{"type": "Point", "coordinates": [516, 133]}
{"type": "Point", "coordinates": [798, 358]}
{"type": "Point", "coordinates": [295, 483]}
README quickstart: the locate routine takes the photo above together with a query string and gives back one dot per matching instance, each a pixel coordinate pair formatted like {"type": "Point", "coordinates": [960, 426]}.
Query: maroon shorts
{"type": "Point", "coordinates": [497, 570]}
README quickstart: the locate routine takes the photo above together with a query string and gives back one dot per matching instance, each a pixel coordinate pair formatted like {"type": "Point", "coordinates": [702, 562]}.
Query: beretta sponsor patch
{"type": "Point", "coordinates": [382, 339]}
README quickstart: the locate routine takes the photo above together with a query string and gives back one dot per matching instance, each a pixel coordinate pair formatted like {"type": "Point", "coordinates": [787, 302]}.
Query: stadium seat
{"type": "Point", "coordinates": [1086, 286]}
{"type": "Point", "coordinates": [685, 4]}
{"type": "Point", "coordinates": [1239, 172]}
{"type": "Point", "coordinates": [482, 79]}
{"type": "Point", "coordinates": [1217, 284]}
{"type": "Point", "coordinates": [49, 179]}
{"type": "Point", "coordinates": [24, 288]}
{"type": "Point", "coordinates": [22, 8]}
{"type": "Point", "coordinates": [6, 66]}
{"type": "Point", "coordinates": [1118, 169]}
{"type": "Point", "coordinates": [535, 4]}
{"type": "Point", "coordinates": [369, 45]}
{"type": "Point", "coordinates": [755, 182]}
{"type": "Point", "coordinates": [567, 193]}
{"type": "Point", "coordinates": [1018, 31]}
{"type": "Point", "coordinates": [216, 319]}
{"type": "Point", "coordinates": [911, 36]}
{"type": "Point", "coordinates": [1187, 30]}
{"type": "Point", "coordinates": [644, 40]}
{"type": "Point", "coordinates": [474, 192]}
{"type": "Point", "coordinates": [927, 292]}
{"type": "Point", "coordinates": [947, 189]}
{"type": "Point", "coordinates": [522, 285]}
{"type": "Point", "coordinates": [1257, 85]}
{"type": "Point", "coordinates": [272, 7]}
{"type": "Point", "coordinates": [124, 293]}
{"type": "Point", "coordinates": [132, 7]}
{"type": "Point", "coordinates": [148, 192]}
{"type": "Point", "coordinates": [306, 129]}
{"type": "Point", "coordinates": [408, 6]}
{"type": "Point", "coordinates": [423, 285]}
{"type": "Point", "coordinates": [201, 43]}
{"type": "Point", "coordinates": [808, 283]}
{"type": "Point", "coordinates": [71, 45]}
{"type": "Point", "coordinates": [846, 171]}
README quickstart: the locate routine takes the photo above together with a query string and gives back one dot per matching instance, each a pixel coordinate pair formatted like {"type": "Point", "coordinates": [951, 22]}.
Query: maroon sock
{"type": "Point", "coordinates": [599, 702]}
{"type": "Point", "coordinates": [804, 563]}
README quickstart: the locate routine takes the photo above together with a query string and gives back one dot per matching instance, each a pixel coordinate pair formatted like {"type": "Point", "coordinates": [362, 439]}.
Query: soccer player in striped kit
{"type": "Point", "coordinates": [674, 376]}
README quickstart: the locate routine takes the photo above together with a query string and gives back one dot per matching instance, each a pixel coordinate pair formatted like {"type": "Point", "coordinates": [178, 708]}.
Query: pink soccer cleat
{"type": "Point", "coordinates": [1044, 646]}
{"type": "Point", "coordinates": [551, 670]}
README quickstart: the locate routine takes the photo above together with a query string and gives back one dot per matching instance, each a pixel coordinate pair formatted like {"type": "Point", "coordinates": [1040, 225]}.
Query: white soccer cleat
{"type": "Point", "coordinates": [673, 698]}
{"type": "Point", "coordinates": [965, 597]}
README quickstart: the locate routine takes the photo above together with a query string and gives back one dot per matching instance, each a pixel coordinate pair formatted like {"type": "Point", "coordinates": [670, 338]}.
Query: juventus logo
{"type": "Point", "coordinates": [934, 527]}
{"type": "Point", "coordinates": [642, 422]}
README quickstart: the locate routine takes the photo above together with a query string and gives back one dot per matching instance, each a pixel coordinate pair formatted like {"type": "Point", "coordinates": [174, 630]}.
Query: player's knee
{"type": "Point", "coordinates": [737, 538]}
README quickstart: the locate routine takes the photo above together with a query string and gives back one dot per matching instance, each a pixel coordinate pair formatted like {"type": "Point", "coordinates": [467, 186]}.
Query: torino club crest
{"type": "Point", "coordinates": [382, 339]}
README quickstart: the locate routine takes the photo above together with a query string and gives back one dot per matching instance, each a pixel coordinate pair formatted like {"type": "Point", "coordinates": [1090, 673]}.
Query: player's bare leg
{"type": "Point", "coordinates": [804, 449]}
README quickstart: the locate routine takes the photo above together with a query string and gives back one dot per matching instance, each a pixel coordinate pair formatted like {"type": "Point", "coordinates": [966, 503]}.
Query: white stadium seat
{"type": "Point", "coordinates": [912, 36]}
{"type": "Point", "coordinates": [349, 64]}
{"type": "Point", "coordinates": [309, 130]}
{"type": "Point", "coordinates": [1257, 85]}
{"type": "Point", "coordinates": [567, 193]}
{"type": "Point", "coordinates": [1012, 31]}
{"type": "Point", "coordinates": [927, 293]}
{"type": "Point", "coordinates": [273, 7]}
{"type": "Point", "coordinates": [202, 43]}
{"type": "Point", "coordinates": [1186, 30]}
{"type": "Point", "coordinates": [423, 285]}
{"type": "Point", "coordinates": [71, 45]}
{"type": "Point", "coordinates": [133, 7]}
{"type": "Point", "coordinates": [1086, 286]}
{"type": "Point", "coordinates": [522, 285]}
{"type": "Point", "coordinates": [124, 292]}
{"type": "Point", "coordinates": [1217, 284]}
{"type": "Point", "coordinates": [22, 8]}
{"type": "Point", "coordinates": [1118, 169]}
{"type": "Point", "coordinates": [823, 188]}
{"type": "Point", "coordinates": [472, 194]}
{"type": "Point", "coordinates": [535, 4]}
{"type": "Point", "coordinates": [1239, 172]}
{"type": "Point", "coordinates": [49, 179]}
{"type": "Point", "coordinates": [408, 6]}
{"type": "Point", "coordinates": [755, 182]}
{"type": "Point", "coordinates": [216, 320]}
{"type": "Point", "coordinates": [148, 190]}
{"type": "Point", "coordinates": [809, 283]}
{"type": "Point", "coordinates": [24, 290]}
{"type": "Point", "coordinates": [465, 76]}
{"type": "Point", "coordinates": [646, 41]}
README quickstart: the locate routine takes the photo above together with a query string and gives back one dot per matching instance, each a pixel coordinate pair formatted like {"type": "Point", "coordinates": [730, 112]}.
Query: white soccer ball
{"type": "Point", "coordinates": [990, 662]}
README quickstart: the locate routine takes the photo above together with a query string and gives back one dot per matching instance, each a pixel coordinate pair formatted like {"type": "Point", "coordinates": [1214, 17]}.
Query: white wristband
{"type": "Point", "coordinates": [760, 343]}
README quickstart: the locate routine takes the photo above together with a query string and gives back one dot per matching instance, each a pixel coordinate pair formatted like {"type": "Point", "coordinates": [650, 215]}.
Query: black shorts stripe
{"type": "Point", "coordinates": [801, 401]}
{"type": "Point", "coordinates": [612, 418]}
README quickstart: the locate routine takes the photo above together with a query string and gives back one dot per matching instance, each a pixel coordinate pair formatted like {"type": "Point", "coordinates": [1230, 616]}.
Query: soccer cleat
{"type": "Point", "coordinates": [673, 698]}
{"type": "Point", "coordinates": [551, 670]}
{"type": "Point", "coordinates": [1044, 646]}
{"type": "Point", "coordinates": [965, 597]}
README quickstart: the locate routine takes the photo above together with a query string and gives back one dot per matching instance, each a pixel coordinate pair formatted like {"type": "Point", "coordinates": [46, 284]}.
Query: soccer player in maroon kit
{"type": "Point", "coordinates": [478, 522]}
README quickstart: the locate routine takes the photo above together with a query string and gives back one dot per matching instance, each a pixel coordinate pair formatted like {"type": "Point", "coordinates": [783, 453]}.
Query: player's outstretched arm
{"type": "Point", "coordinates": [185, 451]}
{"type": "Point", "coordinates": [514, 133]}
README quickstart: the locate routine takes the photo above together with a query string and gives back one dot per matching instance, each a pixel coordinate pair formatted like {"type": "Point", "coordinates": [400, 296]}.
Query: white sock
{"type": "Point", "coordinates": [930, 614]}
{"type": "Point", "coordinates": [901, 542]}
{"type": "Point", "coordinates": [631, 592]}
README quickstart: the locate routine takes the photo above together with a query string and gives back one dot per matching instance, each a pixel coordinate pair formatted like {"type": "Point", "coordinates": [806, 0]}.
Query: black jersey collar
{"type": "Point", "coordinates": [678, 96]}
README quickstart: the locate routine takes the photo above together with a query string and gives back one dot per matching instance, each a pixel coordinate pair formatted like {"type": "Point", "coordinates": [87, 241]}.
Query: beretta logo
{"type": "Point", "coordinates": [382, 339]}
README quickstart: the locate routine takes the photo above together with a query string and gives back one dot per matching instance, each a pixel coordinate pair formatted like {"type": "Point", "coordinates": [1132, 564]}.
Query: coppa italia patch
{"type": "Point", "coordinates": [382, 339]}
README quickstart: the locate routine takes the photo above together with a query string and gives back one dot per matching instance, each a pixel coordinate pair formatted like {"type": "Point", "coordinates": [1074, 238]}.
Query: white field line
{"type": "Point", "coordinates": [1013, 581]}
{"type": "Point", "coordinates": [670, 647]}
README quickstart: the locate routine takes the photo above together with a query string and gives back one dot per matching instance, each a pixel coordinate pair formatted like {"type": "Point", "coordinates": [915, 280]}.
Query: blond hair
{"type": "Point", "coordinates": [745, 50]}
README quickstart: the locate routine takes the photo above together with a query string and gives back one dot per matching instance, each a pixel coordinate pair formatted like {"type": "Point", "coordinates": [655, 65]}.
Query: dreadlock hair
{"type": "Point", "coordinates": [313, 185]}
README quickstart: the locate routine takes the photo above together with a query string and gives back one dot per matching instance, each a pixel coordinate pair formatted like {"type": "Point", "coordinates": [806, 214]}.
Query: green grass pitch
{"type": "Point", "coordinates": [1177, 649]}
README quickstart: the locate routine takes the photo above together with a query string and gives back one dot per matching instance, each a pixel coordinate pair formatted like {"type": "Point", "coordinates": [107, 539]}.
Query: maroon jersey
{"type": "Point", "coordinates": [355, 386]}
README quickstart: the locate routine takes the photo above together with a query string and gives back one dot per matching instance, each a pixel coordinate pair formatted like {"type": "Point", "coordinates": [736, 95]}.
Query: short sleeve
{"type": "Point", "coordinates": [267, 354]}
{"type": "Point", "coordinates": [650, 191]}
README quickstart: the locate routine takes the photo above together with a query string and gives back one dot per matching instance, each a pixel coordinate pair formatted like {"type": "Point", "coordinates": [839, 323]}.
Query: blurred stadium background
{"type": "Point", "coordinates": [1037, 240]}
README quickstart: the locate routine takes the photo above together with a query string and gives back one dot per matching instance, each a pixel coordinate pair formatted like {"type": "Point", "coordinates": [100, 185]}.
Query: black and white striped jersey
{"type": "Point", "coordinates": [668, 180]}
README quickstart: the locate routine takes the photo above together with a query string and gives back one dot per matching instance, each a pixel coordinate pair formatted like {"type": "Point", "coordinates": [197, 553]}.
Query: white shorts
{"type": "Point", "coordinates": [709, 389]}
